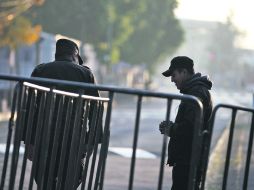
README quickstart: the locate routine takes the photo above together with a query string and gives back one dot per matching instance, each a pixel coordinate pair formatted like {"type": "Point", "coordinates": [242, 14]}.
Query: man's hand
{"type": "Point", "coordinates": [166, 127]}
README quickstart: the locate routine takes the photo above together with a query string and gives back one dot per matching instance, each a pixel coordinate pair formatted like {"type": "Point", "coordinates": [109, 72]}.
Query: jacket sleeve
{"type": "Point", "coordinates": [37, 70]}
{"type": "Point", "coordinates": [89, 78]}
{"type": "Point", "coordinates": [94, 92]}
{"type": "Point", "coordinates": [185, 120]}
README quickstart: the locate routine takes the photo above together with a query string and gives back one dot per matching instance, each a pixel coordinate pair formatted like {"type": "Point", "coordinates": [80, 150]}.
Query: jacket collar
{"type": "Point", "coordinates": [196, 79]}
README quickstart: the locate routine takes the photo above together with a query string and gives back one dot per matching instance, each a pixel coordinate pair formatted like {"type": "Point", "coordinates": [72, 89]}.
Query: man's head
{"type": "Point", "coordinates": [67, 49]}
{"type": "Point", "coordinates": [180, 70]}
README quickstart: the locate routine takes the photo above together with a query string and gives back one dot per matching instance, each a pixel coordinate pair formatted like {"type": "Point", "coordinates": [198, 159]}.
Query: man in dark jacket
{"type": "Point", "coordinates": [68, 65]}
{"type": "Point", "coordinates": [180, 132]}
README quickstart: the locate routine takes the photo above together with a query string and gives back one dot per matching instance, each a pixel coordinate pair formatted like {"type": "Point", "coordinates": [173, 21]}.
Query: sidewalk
{"type": "Point", "coordinates": [145, 177]}
{"type": "Point", "coordinates": [116, 174]}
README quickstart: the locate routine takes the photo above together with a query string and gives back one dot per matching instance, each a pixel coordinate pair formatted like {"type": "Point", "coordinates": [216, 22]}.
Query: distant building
{"type": "Point", "coordinates": [199, 37]}
{"type": "Point", "coordinates": [27, 57]}
{"type": "Point", "coordinates": [247, 56]}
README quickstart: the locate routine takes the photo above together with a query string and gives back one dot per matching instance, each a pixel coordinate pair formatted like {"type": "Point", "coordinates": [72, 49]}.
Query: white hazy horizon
{"type": "Point", "coordinates": [218, 10]}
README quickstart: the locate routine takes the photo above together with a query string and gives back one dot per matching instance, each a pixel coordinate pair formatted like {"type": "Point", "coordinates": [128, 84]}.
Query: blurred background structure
{"type": "Point", "coordinates": [132, 39]}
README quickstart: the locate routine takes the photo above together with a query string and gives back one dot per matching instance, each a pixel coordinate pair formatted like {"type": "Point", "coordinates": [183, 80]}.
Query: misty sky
{"type": "Point", "coordinates": [218, 10]}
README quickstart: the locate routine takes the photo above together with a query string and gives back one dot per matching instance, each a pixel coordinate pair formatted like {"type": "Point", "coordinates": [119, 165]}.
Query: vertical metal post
{"type": "Point", "coordinates": [55, 147]}
{"type": "Point", "coordinates": [17, 137]}
{"type": "Point", "coordinates": [164, 146]}
{"type": "Point", "coordinates": [64, 144]}
{"type": "Point", "coordinates": [72, 158]}
{"type": "Point", "coordinates": [92, 128]}
{"type": "Point", "coordinates": [9, 136]}
{"type": "Point", "coordinates": [38, 136]}
{"type": "Point", "coordinates": [248, 159]}
{"type": "Point", "coordinates": [29, 129]}
{"type": "Point", "coordinates": [97, 137]}
{"type": "Point", "coordinates": [135, 142]}
{"type": "Point", "coordinates": [207, 148]}
{"type": "Point", "coordinates": [230, 139]}
{"type": "Point", "coordinates": [83, 139]}
{"type": "Point", "coordinates": [196, 146]}
{"type": "Point", "coordinates": [50, 105]}
{"type": "Point", "coordinates": [105, 143]}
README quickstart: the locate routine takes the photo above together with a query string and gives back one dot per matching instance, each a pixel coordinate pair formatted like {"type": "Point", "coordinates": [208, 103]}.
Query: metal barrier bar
{"type": "Point", "coordinates": [164, 147]}
{"type": "Point", "coordinates": [83, 139]}
{"type": "Point", "coordinates": [39, 126]}
{"type": "Point", "coordinates": [17, 137]}
{"type": "Point", "coordinates": [97, 138]}
{"type": "Point", "coordinates": [80, 85]}
{"type": "Point", "coordinates": [208, 145]}
{"type": "Point", "coordinates": [248, 158]}
{"type": "Point", "coordinates": [232, 124]}
{"type": "Point", "coordinates": [105, 143]}
{"type": "Point", "coordinates": [9, 136]}
{"type": "Point", "coordinates": [28, 135]}
{"type": "Point", "coordinates": [55, 142]}
{"type": "Point", "coordinates": [46, 138]}
{"type": "Point", "coordinates": [230, 141]}
{"type": "Point", "coordinates": [90, 144]}
{"type": "Point", "coordinates": [64, 143]}
{"type": "Point", "coordinates": [74, 146]}
{"type": "Point", "coordinates": [196, 148]}
{"type": "Point", "coordinates": [135, 142]}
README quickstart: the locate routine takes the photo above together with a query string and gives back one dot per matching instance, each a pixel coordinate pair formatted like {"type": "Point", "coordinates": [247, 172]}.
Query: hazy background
{"type": "Point", "coordinates": [129, 43]}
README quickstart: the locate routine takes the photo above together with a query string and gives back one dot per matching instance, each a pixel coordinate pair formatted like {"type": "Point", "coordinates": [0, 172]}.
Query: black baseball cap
{"type": "Point", "coordinates": [68, 47]}
{"type": "Point", "coordinates": [177, 63]}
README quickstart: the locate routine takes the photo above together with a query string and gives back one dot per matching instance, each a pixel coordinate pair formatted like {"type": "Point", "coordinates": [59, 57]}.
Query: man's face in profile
{"type": "Point", "coordinates": [178, 77]}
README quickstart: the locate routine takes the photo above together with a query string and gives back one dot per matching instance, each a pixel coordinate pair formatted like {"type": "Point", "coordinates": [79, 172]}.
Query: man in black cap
{"type": "Point", "coordinates": [188, 82]}
{"type": "Point", "coordinates": [68, 65]}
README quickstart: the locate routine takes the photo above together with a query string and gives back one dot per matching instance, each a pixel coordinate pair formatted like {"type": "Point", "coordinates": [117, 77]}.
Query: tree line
{"type": "Point", "coordinates": [134, 31]}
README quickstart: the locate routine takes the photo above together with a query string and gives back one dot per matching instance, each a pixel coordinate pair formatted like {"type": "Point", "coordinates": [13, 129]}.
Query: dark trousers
{"type": "Point", "coordinates": [180, 174]}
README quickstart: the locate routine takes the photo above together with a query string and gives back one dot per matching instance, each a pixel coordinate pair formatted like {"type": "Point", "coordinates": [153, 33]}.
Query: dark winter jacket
{"type": "Point", "coordinates": [179, 148]}
{"type": "Point", "coordinates": [66, 70]}
{"type": "Point", "coordinates": [62, 70]}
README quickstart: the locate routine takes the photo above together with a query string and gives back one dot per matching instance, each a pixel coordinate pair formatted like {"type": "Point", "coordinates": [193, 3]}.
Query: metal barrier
{"type": "Point", "coordinates": [72, 166]}
{"type": "Point", "coordinates": [229, 145]}
{"type": "Point", "coordinates": [42, 114]}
